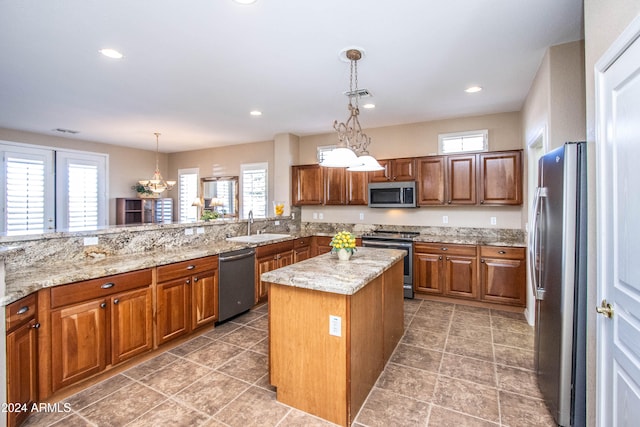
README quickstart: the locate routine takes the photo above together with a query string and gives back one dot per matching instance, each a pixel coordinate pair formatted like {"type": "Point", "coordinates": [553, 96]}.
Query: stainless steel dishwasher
{"type": "Point", "coordinates": [236, 286]}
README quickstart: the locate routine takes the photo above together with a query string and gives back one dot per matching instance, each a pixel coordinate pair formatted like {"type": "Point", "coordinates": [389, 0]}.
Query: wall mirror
{"type": "Point", "coordinates": [220, 194]}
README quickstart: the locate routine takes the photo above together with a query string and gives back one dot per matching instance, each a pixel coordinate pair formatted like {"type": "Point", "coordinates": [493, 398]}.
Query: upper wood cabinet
{"type": "Point", "coordinates": [395, 170]}
{"type": "Point", "coordinates": [306, 185]}
{"type": "Point", "coordinates": [431, 180]}
{"type": "Point", "coordinates": [500, 178]}
{"type": "Point", "coordinates": [357, 188]}
{"type": "Point", "coordinates": [335, 186]}
{"type": "Point", "coordinates": [491, 178]}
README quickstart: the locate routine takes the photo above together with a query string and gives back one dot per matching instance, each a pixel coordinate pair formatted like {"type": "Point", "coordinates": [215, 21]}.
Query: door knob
{"type": "Point", "coordinates": [605, 309]}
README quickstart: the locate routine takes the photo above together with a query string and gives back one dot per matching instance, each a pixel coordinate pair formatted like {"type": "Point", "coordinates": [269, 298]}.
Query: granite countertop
{"type": "Point", "coordinates": [469, 240]}
{"type": "Point", "coordinates": [328, 274]}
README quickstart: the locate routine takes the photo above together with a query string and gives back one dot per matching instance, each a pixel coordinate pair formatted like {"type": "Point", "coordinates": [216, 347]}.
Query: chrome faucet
{"type": "Point", "coordinates": [249, 222]}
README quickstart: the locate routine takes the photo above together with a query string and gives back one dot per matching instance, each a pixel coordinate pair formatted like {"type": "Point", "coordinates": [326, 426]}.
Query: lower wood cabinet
{"type": "Point", "coordinates": [301, 249]}
{"type": "Point", "coordinates": [268, 258]}
{"type": "Point", "coordinates": [99, 323]}
{"type": "Point", "coordinates": [22, 357]}
{"type": "Point", "coordinates": [445, 269]}
{"type": "Point", "coordinates": [503, 275]}
{"type": "Point", "coordinates": [186, 297]}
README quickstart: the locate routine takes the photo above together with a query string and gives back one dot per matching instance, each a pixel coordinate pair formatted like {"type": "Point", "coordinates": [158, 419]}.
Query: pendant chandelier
{"type": "Point", "coordinates": [157, 184]}
{"type": "Point", "coordinates": [351, 151]}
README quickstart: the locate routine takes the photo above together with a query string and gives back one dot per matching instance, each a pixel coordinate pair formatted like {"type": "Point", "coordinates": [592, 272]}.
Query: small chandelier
{"type": "Point", "coordinates": [157, 184]}
{"type": "Point", "coordinates": [351, 151]}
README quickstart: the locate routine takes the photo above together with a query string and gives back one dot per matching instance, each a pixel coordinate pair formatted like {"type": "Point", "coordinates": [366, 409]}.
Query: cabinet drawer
{"type": "Point", "coordinates": [445, 248]}
{"type": "Point", "coordinates": [20, 311]}
{"type": "Point", "coordinates": [186, 268]}
{"type": "Point", "coordinates": [274, 248]}
{"type": "Point", "coordinates": [97, 288]}
{"type": "Point", "coordinates": [502, 252]}
{"type": "Point", "coordinates": [301, 242]}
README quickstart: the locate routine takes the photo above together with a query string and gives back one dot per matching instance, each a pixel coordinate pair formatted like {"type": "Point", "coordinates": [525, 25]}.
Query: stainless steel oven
{"type": "Point", "coordinates": [395, 240]}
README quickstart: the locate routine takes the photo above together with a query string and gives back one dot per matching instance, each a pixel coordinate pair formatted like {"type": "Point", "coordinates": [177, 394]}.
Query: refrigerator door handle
{"type": "Point", "coordinates": [538, 291]}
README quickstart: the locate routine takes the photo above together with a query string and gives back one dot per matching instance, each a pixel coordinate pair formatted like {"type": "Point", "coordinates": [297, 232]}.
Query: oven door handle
{"type": "Point", "coordinates": [403, 245]}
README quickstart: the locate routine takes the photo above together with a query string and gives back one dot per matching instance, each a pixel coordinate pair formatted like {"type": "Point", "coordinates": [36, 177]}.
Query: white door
{"type": "Point", "coordinates": [618, 230]}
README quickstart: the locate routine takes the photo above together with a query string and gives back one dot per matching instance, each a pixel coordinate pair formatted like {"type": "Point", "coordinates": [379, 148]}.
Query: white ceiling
{"type": "Point", "coordinates": [193, 70]}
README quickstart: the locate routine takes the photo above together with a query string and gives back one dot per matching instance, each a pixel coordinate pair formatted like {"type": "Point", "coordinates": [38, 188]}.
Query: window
{"type": "Point", "coordinates": [32, 176]}
{"type": "Point", "coordinates": [463, 142]}
{"type": "Point", "coordinates": [81, 185]}
{"type": "Point", "coordinates": [253, 188]}
{"type": "Point", "coordinates": [188, 184]}
{"type": "Point", "coordinates": [323, 150]}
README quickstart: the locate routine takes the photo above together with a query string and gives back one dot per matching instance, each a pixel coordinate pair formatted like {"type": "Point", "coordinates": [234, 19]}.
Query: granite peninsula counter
{"type": "Point", "coordinates": [332, 327]}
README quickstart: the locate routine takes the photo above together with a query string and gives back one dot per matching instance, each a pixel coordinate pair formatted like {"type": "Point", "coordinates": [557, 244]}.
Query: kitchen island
{"type": "Point", "coordinates": [332, 327]}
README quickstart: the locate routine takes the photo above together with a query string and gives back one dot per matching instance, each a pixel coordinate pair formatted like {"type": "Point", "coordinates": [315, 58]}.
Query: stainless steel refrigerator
{"type": "Point", "coordinates": [557, 257]}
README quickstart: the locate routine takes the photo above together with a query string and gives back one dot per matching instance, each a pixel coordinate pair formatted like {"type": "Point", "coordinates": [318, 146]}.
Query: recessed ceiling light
{"type": "Point", "coordinates": [256, 113]}
{"type": "Point", "coordinates": [473, 89]}
{"type": "Point", "coordinates": [245, 1]}
{"type": "Point", "coordinates": [111, 53]}
{"type": "Point", "coordinates": [369, 106]}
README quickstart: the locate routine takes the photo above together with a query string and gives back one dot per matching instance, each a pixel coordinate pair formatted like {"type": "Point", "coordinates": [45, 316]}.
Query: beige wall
{"type": "Point", "coordinates": [421, 139]}
{"type": "Point", "coordinates": [126, 165]}
{"type": "Point", "coordinates": [604, 21]}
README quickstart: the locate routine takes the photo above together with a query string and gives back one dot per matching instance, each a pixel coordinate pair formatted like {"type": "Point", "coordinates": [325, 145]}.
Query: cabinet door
{"type": "Point", "coordinates": [461, 276]}
{"type": "Point", "coordinates": [403, 169]}
{"type": "Point", "coordinates": [306, 185]}
{"type": "Point", "coordinates": [461, 182]}
{"type": "Point", "coordinates": [381, 175]}
{"type": "Point", "coordinates": [22, 368]}
{"type": "Point", "coordinates": [427, 273]}
{"type": "Point", "coordinates": [503, 275]}
{"type": "Point", "coordinates": [431, 180]}
{"type": "Point", "coordinates": [131, 328]}
{"type": "Point", "coordinates": [78, 335]}
{"type": "Point", "coordinates": [300, 254]}
{"type": "Point", "coordinates": [204, 299]}
{"type": "Point", "coordinates": [500, 177]}
{"type": "Point", "coordinates": [334, 186]}
{"type": "Point", "coordinates": [263, 264]}
{"type": "Point", "coordinates": [357, 188]}
{"type": "Point", "coordinates": [321, 245]}
{"type": "Point", "coordinates": [172, 316]}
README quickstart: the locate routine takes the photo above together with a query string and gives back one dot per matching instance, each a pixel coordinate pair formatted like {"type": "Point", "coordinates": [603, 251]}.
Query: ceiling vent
{"type": "Point", "coordinates": [362, 93]}
{"type": "Point", "coordinates": [62, 130]}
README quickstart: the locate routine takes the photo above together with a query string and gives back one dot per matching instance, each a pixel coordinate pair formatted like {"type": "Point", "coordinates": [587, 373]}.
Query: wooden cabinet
{"type": "Point", "coordinates": [395, 170]}
{"type": "Point", "coordinates": [268, 258]}
{"type": "Point", "coordinates": [431, 180]}
{"type": "Point", "coordinates": [22, 357]}
{"type": "Point", "coordinates": [335, 186]}
{"type": "Point", "coordinates": [461, 180]}
{"type": "Point", "coordinates": [503, 275]}
{"type": "Point", "coordinates": [500, 178]}
{"type": "Point", "coordinates": [306, 185]}
{"type": "Point", "coordinates": [445, 269]}
{"type": "Point", "coordinates": [301, 249]}
{"type": "Point", "coordinates": [357, 188]}
{"type": "Point", "coordinates": [320, 245]}
{"type": "Point", "coordinates": [98, 323]}
{"type": "Point", "coordinates": [186, 297]}
{"type": "Point", "coordinates": [143, 211]}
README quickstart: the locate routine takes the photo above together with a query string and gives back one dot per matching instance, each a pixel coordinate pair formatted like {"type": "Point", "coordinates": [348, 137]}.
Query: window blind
{"type": "Point", "coordinates": [25, 195]}
{"type": "Point", "coordinates": [188, 185]}
{"type": "Point", "coordinates": [254, 190]}
{"type": "Point", "coordinates": [83, 196]}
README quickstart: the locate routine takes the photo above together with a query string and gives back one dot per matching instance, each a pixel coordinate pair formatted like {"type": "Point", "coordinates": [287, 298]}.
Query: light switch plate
{"type": "Point", "coordinates": [188, 231]}
{"type": "Point", "coordinates": [200, 230]}
{"type": "Point", "coordinates": [335, 326]}
{"type": "Point", "coordinates": [493, 220]}
{"type": "Point", "coordinates": [89, 241]}
{"type": "Point", "coordinates": [445, 219]}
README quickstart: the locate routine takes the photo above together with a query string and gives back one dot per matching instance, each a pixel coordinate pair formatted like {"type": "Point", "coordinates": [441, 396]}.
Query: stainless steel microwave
{"type": "Point", "coordinates": [401, 194]}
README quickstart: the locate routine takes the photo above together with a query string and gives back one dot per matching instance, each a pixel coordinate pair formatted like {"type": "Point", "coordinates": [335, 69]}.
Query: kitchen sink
{"type": "Point", "coordinates": [258, 238]}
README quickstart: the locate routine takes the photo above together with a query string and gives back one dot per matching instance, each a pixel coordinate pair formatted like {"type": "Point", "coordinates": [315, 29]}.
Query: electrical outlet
{"type": "Point", "coordinates": [445, 219]}
{"type": "Point", "coordinates": [315, 215]}
{"type": "Point", "coordinates": [335, 326]}
{"type": "Point", "coordinates": [493, 220]}
{"type": "Point", "coordinates": [361, 216]}
{"type": "Point", "coordinates": [188, 231]}
{"type": "Point", "coordinates": [320, 215]}
{"type": "Point", "coordinates": [276, 222]}
{"type": "Point", "coordinates": [200, 230]}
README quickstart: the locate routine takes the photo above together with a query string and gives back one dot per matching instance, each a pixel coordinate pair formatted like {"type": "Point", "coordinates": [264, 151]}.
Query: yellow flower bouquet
{"type": "Point", "coordinates": [343, 240]}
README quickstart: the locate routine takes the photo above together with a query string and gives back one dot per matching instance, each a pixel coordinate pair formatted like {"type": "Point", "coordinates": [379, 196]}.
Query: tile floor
{"type": "Point", "coordinates": [455, 366]}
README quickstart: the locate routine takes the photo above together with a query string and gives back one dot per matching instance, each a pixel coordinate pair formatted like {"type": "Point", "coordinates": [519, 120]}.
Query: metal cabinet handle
{"type": "Point", "coordinates": [103, 305]}
{"type": "Point", "coordinates": [482, 260]}
{"type": "Point", "coordinates": [188, 281]}
{"type": "Point", "coordinates": [195, 279]}
{"type": "Point", "coordinates": [108, 285]}
{"type": "Point", "coordinates": [448, 258]}
{"type": "Point", "coordinates": [449, 202]}
{"type": "Point", "coordinates": [116, 301]}
{"type": "Point", "coordinates": [440, 257]}
{"type": "Point", "coordinates": [36, 325]}
{"type": "Point", "coordinates": [23, 310]}
{"type": "Point", "coordinates": [444, 249]}
{"type": "Point", "coordinates": [482, 202]}
{"type": "Point", "coordinates": [502, 252]}
{"type": "Point", "coordinates": [191, 267]}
